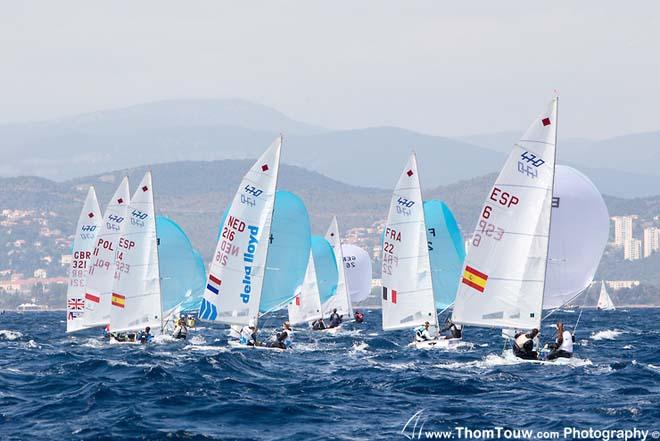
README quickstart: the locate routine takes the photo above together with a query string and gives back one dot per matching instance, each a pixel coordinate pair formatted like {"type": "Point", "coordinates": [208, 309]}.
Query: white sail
{"type": "Point", "coordinates": [357, 266]}
{"type": "Point", "coordinates": [605, 303]}
{"type": "Point", "coordinates": [580, 230]}
{"type": "Point", "coordinates": [100, 278]}
{"type": "Point", "coordinates": [135, 299]}
{"type": "Point", "coordinates": [236, 274]}
{"type": "Point", "coordinates": [89, 223]}
{"type": "Point", "coordinates": [306, 305]}
{"type": "Point", "coordinates": [340, 300]}
{"type": "Point", "coordinates": [407, 299]}
{"type": "Point", "coordinates": [504, 274]}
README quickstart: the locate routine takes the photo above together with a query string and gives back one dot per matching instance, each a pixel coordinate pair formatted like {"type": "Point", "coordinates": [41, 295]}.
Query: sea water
{"type": "Point", "coordinates": [361, 384]}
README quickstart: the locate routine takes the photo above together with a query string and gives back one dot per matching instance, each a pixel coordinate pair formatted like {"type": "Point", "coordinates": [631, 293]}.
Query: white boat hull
{"type": "Point", "coordinates": [233, 344]}
{"type": "Point", "coordinates": [442, 343]}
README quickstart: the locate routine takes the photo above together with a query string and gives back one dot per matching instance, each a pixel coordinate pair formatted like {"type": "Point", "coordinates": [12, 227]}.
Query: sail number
{"type": "Point", "coordinates": [486, 228]}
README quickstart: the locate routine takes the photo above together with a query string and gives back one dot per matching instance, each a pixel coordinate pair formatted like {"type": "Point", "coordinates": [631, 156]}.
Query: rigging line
{"type": "Point", "coordinates": [584, 302]}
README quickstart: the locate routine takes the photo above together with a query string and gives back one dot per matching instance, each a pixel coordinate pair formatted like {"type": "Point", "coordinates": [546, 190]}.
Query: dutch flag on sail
{"type": "Point", "coordinates": [214, 284]}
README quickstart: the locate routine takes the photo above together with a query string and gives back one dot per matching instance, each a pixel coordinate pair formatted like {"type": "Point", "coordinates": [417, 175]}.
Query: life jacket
{"type": "Point", "coordinates": [521, 340]}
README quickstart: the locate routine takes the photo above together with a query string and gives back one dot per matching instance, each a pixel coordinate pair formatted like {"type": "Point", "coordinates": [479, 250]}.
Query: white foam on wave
{"type": "Point", "coordinates": [32, 344]}
{"type": "Point", "coordinates": [207, 348]}
{"type": "Point", "coordinates": [609, 334]}
{"type": "Point", "coordinates": [508, 359]}
{"type": "Point", "coordinates": [654, 367]}
{"type": "Point", "coordinates": [628, 347]}
{"type": "Point", "coordinates": [359, 347]}
{"type": "Point", "coordinates": [197, 340]}
{"type": "Point", "coordinates": [373, 334]}
{"type": "Point", "coordinates": [6, 334]}
{"type": "Point", "coordinates": [94, 343]}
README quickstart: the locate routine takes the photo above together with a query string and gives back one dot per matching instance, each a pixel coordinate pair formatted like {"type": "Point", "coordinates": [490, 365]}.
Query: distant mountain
{"type": "Point", "coordinates": [181, 130]}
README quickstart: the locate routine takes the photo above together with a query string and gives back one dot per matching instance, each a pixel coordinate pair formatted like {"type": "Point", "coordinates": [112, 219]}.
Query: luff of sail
{"type": "Point", "coordinates": [89, 224]}
{"type": "Point", "coordinates": [306, 305]}
{"type": "Point", "coordinates": [100, 278]}
{"type": "Point", "coordinates": [504, 275]}
{"type": "Point", "coordinates": [341, 300]}
{"type": "Point", "coordinates": [605, 302]}
{"type": "Point", "coordinates": [135, 299]}
{"type": "Point", "coordinates": [407, 298]}
{"type": "Point", "coordinates": [236, 272]}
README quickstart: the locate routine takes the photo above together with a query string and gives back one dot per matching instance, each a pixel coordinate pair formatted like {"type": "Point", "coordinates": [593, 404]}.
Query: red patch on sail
{"type": "Point", "coordinates": [90, 215]}
{"type": "Point", "coordinates": [297, 300]}
{"type": "Point", "coordinates": [92, 297]}
{"type": "Point", "coordinates": [120, 201]}
{"type": "Point", "coordinates": [264, 167]}
{"type": "Point", "coordinates": [145, 188]}
{"type": "Point", "coordinates": [545, 121]}
{"type": "Point", "coordinates": [410, 173]}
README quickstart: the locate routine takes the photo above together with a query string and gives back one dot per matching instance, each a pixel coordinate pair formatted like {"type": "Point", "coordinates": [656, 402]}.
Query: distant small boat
{"type": "Point", "coordinates": [31, 307]}
{"type": "Point", "coordinates": [605, 303]}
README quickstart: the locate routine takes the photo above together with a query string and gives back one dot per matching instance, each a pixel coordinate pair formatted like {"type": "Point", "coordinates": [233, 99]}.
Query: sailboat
{"type": "Point", "coordinates": [236, 274]}
{"type": "Point", "coordinates": [89, 223]}
{"type": "Point", "coordinates": [340, 300]}
{"type": "Point", "coordinates": [605, 303]}
{"type": "Point", "coordinates": [136, 294]}
{"type": "Point", "coordinates": [407, 298]}
{"type": "Point", "coordinates": [306, 305]}
{"type": "Point", "coordinates": [357, 266]}
{"type": "Point", "coordinates": [504, 275]}
{"type": "Point", "coordinates": [98, 290]}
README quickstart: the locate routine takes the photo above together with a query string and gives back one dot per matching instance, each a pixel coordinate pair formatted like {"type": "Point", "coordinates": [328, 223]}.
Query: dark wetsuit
{"type": "Point", "coordinates": [455, 330]}
{"type": "Point", "coordinates": [318, 325]}
{"type": "Point", "coordinates": [335, 320]}
{"type": "Point", "coordinates": [526, 352]}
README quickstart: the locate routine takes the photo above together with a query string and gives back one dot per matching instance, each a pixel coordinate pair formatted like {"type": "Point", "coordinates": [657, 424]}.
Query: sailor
{"type": "Point", "coordinates": [318, 325]}
{"type": "Point", "coordinates": [563, 346]}
{"type": "Point", "coordinates": [180, 330]}
{"type": "Point", "coordinates": [145, 336]}
{"type": "Point", "coordinates": [249, 334]}
{"type": "Point", "coordinates": [455, 330]}
{"type": "Point", "coordinates": [359, 317]}
{"type": "Point", "coordinates": [335, 319]}
{"type": "Point", "coordinates": [422, 333]}
{"type": "Point", "coordinates": [190, 321]}
{"type": "Point", "coordinates": [284, 338]}
{"type": "Point", "coordinates": [523, 345]}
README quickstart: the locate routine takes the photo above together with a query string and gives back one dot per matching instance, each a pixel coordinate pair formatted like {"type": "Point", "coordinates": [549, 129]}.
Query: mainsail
{"type": "Point", "coordinates": [407, 299]}
{"type": "Point", "coordinates": [605, 303]}
{"type": "Point", "coordinates": [504, 275]}
{"type": "Point", "coordinates": [579, 216]}
{"type": "Point", "coordinates": [103, 264]}
{"type": "Point", "coordinates": [135, 300]}
{"type": "Point", "coordinates": [89, 223]}
{"type": "Point", "coordinates": [341, 300]}
{"type": "Point", "coordinates": [446, 251]}
{"type": "Point", "coordinates": [236, 274]}
{"type": "Point", "coordinates": [306, 305]}
{"type": "Point", "coordinates": [357, 266]}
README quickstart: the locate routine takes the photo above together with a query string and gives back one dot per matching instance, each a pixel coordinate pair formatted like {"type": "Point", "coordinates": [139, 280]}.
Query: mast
{"type": "Point", "coordinates": [160, 290]}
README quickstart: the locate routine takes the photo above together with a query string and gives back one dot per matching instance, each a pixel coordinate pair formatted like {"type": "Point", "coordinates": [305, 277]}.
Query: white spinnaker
{"type": "Point", "coordinates": [407, 297]}
{"type": "Point", "coordinates": [89, 223]}
{"type": "Point", "coordinates": [580, 230]}
{"type": "Point", "coordinates": [100, 278]}
{"type": "Point", "coordinates": [135, 300]}
{"type": "Point", "coordinates": [306, 305]}
{"type": "Point", "coordinates": [341, 300]}
{"type": "Point", "coordinates": [236, 274]}
{"type": "Point", "coordinates": [357, 266]}
{"type": "Point", "coordinates": [504, 273]}
{"type": "Point", "coordinates": [605, 303]}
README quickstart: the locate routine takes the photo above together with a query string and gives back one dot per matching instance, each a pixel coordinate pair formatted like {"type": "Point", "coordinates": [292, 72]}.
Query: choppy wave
{"type": "Point", "coordinates": [363, 383]}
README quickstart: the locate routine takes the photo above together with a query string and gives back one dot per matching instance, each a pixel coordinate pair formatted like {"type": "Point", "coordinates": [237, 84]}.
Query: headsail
{"type": "Point", "coordinates": [89, 223]}
{"type": "Point", "coordinates": [605, 303]}
{"type": "Point", "coordinates": [135, 300]}
{"type": "Point", "coordinates": [233, 289]}
{"type": "Point", "coordinates": [579, 216]}
{"type": "Point", "coordinates": [407, 298]}
{"type": "Point", "coordinates": [446, 251]}
{"type": "Point", "coordinates": [100, 278]}
{"type": "Point", "coordinates": [306, 305]}
{"type": "Point", "coordinates": [504, 275]}
{"type": "Point", "coordinates": [357, 265]}
{"type": "Point", "coordinates": [326, 267]}
{"type": "Point", "coordinates": [341, 299]}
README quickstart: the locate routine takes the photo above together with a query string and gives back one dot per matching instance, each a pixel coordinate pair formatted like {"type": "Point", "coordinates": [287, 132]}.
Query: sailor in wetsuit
{"type": "Point", "coordinates": [523, 345]}
{"type": "Point", "coordinates": [358, 316]}
{"type": "Point", "coordinates": [180, 330]}
{"type": "Point", "coordinates": [318, 325]}
{"type": "Point", "coordinates": [455, 330]}
{"type": "Point", "coordinates": [248, 334]}
{"type": "Point", "coordinates": [145, 336]}
{"type": "Point", "coordinates": [283, 339]}
{"type": "Point", "coordinates": [422, 333]}
{"type": "Point", "coordinates": [335, 319]}
{"type": "Point", "coordinates": [563, 346]}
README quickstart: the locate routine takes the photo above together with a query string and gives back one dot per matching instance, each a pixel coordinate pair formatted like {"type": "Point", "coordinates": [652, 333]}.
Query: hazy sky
{"type": "Point", "coordinates": [440, 67]}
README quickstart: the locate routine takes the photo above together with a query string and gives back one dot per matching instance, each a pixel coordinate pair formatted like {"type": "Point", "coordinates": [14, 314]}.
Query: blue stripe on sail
{"type": "Point", "coordinates": [214, 311]}
{"type": "Point", "coordinates": [212, 288]}
{"type": "Point", "coordinates": [204, 309]}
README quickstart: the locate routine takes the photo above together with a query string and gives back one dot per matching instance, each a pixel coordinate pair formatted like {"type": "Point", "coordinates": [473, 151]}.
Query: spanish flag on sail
{"type": "Point", "coordinates": [118, 300]}
{"type": "Point", "coordinates": [474, 279]}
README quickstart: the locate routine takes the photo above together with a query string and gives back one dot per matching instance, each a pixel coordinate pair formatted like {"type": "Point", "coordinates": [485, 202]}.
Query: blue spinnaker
{"type": "Point", "coordinates": [182, 270]}
{"type": "Point", "coordinates": [446, 251]}
{"type": "Point", "coordinates": [288, 252]}
{"type": "Point", "coordinates": [326, 267]}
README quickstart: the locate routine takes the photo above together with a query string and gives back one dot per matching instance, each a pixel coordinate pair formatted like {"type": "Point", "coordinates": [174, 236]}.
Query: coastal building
{"type": "Point", "coordinates": [632, 249]}
{"type": "Point", "coordinates": [620, 284]}
{"type": "Point", "coordinates": [623, 229]}
{"type": "Point", "coordinates": [651, 241]}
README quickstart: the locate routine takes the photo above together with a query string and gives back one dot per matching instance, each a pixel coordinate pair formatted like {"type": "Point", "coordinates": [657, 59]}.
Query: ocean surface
{"type": "Point", "coordinates": [361, 384]}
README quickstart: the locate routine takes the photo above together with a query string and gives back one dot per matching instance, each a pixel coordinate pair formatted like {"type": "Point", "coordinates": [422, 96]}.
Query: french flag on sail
{"type": "Point", "coordinates": [389, 294]}
{"type": "Point", "coordinates": [214, 284]}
